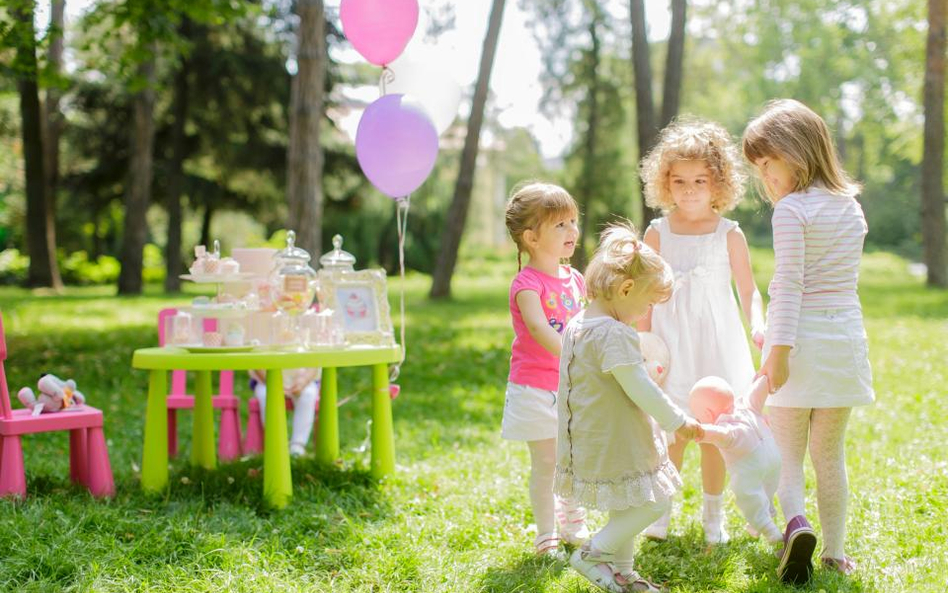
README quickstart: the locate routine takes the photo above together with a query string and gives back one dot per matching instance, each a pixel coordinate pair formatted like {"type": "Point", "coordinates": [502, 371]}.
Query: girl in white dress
{"type": "Point", "coordinates": [693, 175]}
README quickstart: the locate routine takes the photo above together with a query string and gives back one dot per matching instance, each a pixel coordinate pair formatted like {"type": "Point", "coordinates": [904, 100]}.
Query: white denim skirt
{"type": "Point", "coordinates": [529, 413]}
{"type": "Point", "coordinates": [829, 364]}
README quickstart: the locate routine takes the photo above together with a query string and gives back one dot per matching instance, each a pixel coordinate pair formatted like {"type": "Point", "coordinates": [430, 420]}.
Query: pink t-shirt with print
{"type": "Point", "coordinates": [561, 298]}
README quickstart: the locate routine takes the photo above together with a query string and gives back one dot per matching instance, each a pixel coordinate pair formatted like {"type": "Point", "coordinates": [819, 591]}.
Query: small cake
{"type": "Point", "coordinates": [229, 266]}
{"type": "Point", "coordinates": [212, 339]}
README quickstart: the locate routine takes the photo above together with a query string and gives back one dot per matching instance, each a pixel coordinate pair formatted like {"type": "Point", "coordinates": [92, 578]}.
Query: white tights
{"type": "Point", "coordinates": [618, 536]}
{"type": "Point", "coordinates": [304, 410]}
{"type": "Point", "coordinates": [542, 467]}
{"type": "Point", "coordinates": [824, 429]}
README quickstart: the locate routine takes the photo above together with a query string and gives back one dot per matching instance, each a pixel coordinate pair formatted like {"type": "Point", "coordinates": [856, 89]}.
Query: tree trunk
{"type": "Point", "coordinates": [173, 265]}
{"type": "Point", "coordinates": [671, 96]}
{"type": "Point", "coordinates": [457, 212]}
{"type": "Point", "coordinates": [138, 193]}
{"type": "Point", "coordinates": [646, 126]}
{"type": "Point", "coordinates": [206, 226]}
{"type": "Point", "coordinates": [933, 161]}
{"type": "Point", "coordinates": [591, 141]}
{"type": "Point", "coordinates": [97, 248]}
{"type": "Point", "coordinates": [52, 130]}
{"type": "Point", "coordinates": [42, 252]}
{"type": "Point", "coordinates": [305, 158]}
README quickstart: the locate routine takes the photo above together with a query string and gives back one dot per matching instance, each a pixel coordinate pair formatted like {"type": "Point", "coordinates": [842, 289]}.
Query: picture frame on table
{"type": "Point", "coordinates": [359, 300]}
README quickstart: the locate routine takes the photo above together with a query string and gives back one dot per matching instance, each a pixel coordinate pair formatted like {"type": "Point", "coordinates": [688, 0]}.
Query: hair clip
{"type": "Point", "coordinates": [636, 246]}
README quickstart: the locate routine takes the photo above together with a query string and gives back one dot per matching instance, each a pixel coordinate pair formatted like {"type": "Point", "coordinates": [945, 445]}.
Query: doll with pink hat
{"type": "Point", "coordinates": [737, 427]}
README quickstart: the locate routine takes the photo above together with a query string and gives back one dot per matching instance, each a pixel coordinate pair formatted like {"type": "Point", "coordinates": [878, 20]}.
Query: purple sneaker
{"type": "Point", "coordinates": [796, 560]}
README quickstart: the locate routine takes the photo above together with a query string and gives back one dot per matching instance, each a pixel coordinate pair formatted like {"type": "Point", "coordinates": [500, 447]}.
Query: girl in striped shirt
{"type": "Point", "coordinates": [815, 353]}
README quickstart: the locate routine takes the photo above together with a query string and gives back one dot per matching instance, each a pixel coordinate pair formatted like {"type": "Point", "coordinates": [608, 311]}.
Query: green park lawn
{"type": "Point", "coordinates": [455, 516]}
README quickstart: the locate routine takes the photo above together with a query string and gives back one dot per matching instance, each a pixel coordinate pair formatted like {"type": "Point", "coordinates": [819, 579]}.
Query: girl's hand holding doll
{"type": "Point", "coordinates": [776, 368]}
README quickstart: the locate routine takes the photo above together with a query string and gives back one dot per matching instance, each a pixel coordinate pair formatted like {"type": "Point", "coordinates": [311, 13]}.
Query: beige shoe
{"type": "Point", "coordinates": [633, 581]}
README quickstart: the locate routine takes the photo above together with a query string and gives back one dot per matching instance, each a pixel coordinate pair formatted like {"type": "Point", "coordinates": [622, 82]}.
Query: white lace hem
{"type": "Point", "coordinates": [632, 491]}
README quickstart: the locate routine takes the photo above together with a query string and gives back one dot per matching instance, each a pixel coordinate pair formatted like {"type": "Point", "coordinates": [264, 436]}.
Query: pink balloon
{"type": "Point", "coordinates": [396, 145]}
{"type": "Point", "coordinates": [379, 29]}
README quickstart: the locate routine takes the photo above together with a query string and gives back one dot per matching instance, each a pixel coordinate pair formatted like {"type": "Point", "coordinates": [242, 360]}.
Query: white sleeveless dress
{"type": "Point", "coordinates": [701, 323]}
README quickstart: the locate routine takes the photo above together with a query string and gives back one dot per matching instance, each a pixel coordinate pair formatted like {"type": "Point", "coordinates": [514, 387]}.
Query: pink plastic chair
{"type": "Point", "coordinates": [88, 454]}
{"type": "Point", "coordinates": [228, 443]}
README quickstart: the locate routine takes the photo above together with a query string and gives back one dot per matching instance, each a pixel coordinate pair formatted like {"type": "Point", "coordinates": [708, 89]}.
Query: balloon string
{"type": "Point", "coordinates": [401, 223]}
{"type": "Point", "coordinates": [387, 77]}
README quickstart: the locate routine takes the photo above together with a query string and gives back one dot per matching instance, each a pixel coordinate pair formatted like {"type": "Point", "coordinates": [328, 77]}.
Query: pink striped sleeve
{"type": "Point", "coordinates": [786, 288]}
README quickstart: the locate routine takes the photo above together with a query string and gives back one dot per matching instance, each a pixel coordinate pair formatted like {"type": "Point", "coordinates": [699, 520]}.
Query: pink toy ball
{"type": "Point", "coordinates": [379, 29]}
{"type": "Point", "coordinates": [657, 358]}
{"type": "Point", "coordinates": [710, 397]}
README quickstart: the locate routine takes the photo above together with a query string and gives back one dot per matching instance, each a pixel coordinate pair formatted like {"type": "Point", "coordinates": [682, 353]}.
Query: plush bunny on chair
{"type": "Point", "coordinates": [54, 395]}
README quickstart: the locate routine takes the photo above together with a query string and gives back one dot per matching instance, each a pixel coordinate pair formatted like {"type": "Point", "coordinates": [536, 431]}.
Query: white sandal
{"type": "Point", "coordinates": [594, 565]}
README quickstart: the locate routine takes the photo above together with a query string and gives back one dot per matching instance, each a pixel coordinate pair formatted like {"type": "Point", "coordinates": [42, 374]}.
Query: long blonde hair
{"type": "Point", "coordinates": [622, 256]}
{"type": "Point", "coordinates": [531, 204]}
{"type": "Point", "coordinates": [692, 139]}
{"type": "Point", "coordinates": [793, 132]}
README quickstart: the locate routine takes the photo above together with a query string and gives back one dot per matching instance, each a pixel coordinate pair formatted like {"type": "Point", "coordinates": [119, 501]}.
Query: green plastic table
{"type": "Point", "coordinates": [277, 480]}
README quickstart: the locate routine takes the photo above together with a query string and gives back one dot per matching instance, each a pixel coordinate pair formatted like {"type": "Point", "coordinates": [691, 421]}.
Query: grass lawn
{"type": "Point", "coordinates": [456, 515]}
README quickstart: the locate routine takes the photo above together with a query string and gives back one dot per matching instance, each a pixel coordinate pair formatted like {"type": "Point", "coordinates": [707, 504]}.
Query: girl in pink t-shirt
{"type": "Point", "coordinates": [544, 296]}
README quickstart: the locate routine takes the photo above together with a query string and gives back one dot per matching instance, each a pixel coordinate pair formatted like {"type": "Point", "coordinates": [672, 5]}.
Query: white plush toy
{"type": "Point", "coordinates": [55, 395]}
{"type": "Point", "coordinates": [656, 356]}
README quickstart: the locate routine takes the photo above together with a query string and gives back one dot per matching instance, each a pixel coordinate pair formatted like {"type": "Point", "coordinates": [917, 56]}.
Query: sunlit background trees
{"type": "Point", "coordinates": [140, 128]}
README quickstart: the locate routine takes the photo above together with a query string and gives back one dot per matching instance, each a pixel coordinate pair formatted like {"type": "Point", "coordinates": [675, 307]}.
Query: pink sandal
{"type": "Point", "coordinates": [547, 544]}
{"type": "Point", "coordinates": [571, 522]}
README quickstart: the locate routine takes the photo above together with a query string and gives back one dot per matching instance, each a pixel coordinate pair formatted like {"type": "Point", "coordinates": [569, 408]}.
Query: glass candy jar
{"type": "Point", "coordinates": [337, 259]}
{"type": "Point", "coordinates": [293, 281]}
{"type": "Point", "coordinates": [333, 262]}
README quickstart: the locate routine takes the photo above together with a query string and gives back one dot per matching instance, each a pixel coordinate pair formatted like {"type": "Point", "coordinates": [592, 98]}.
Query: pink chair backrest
{"type": "Point", "coordinates": [179, 379]}
{"type": "Point", "coordinates": [5, 410]}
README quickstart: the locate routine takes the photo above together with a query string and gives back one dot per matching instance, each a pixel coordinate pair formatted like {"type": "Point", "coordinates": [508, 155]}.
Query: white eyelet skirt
{"type": "Point", "coordinates": [829, 364]}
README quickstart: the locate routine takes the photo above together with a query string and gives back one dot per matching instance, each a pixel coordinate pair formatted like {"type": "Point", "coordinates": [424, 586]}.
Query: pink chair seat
{"type": "Point", "coordinates": [88, 453]}
{"type": "Point", "coordinates": [23, 421]}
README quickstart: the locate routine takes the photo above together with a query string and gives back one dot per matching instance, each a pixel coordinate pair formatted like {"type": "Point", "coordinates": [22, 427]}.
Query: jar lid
{"type": "Point", "coordinates": [292, 251]}
{"type": "Point", "coordinates": [337, 259]}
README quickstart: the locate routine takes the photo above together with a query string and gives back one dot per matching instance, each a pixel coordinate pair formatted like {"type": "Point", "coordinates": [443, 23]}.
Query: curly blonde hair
{"type": "Point", "coordinates": [692, 139]}
{"type": "Point", "coordinates": [622, 256]}
{"type": "Point", "coordinates": [531, 204]}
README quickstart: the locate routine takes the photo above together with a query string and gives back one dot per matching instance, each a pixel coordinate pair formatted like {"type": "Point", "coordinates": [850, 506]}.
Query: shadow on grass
{"type": "Point", "coordinates": [528, 573]}
{"type": "Point", "coordinates": [237, 483]}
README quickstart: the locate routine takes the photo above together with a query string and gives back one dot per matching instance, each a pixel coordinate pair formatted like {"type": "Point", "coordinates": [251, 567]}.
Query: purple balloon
{"type": "Point", "coordinates": [396, 145]}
